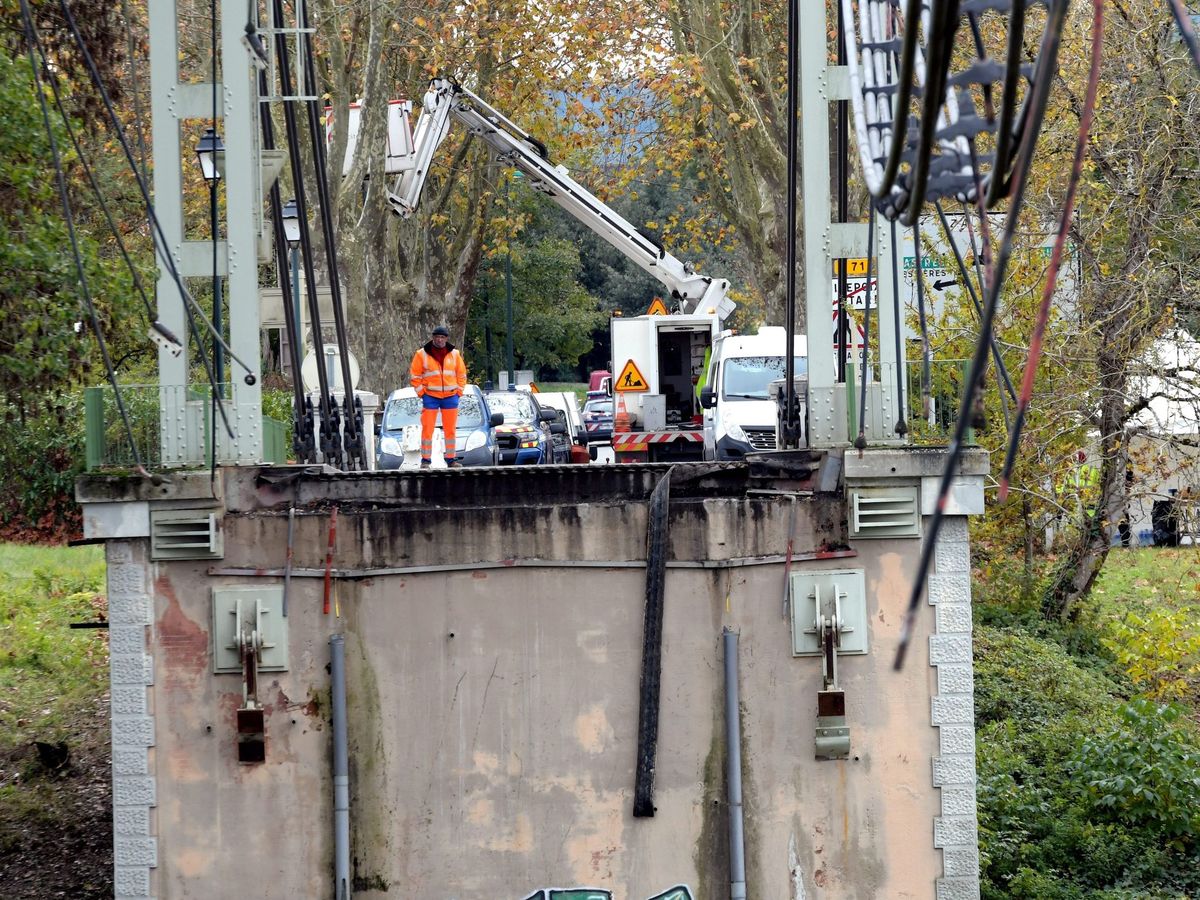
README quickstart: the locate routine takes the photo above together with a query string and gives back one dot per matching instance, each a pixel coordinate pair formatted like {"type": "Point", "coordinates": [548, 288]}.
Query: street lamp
{"type": "Point", "coordinates": [291, 232]}
{"type": "Point", "coordinates": [210, 152]}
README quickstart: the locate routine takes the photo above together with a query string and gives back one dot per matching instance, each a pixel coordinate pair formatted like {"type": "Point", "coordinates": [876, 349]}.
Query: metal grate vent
{"type": "Point", "coordinates": [185, 534]}
{"type": "Point", "coordinates": [885, 512]}
{"type": "Point", "coordinates": [761, 438]}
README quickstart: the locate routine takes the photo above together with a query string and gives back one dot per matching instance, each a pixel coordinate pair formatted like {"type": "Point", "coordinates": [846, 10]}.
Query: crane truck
{"type": "Point", "coordinates": [662, 412]}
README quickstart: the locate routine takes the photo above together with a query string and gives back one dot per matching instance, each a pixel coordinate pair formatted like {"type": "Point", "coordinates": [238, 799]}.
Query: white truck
{"type": "Point", "coordinates": [658, 362]}
{"type": "Point", "coordinates": [740, 410]}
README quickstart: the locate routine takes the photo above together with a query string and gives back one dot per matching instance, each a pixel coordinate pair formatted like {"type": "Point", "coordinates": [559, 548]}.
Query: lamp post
{"type": "Point", "coordinates": [209, 152]}
{"type": "Point", "coordinates": [291, 232]}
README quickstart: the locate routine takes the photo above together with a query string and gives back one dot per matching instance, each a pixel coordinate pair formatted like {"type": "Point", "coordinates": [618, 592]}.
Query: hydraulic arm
{"type": "Point", "coordinates": [444, 100]}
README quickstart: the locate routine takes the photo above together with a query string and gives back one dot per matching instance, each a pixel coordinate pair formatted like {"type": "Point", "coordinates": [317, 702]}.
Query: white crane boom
{"type": "Point", "coordinates": [692, 292]}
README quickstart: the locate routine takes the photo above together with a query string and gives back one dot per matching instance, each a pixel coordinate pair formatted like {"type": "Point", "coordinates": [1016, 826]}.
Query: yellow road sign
{"type": "Point", "coordinates": [853, 267]}
{"type": "Point", "coordinates": [630, 379]}
{"type": "Point", "coordinates": [657, 308]}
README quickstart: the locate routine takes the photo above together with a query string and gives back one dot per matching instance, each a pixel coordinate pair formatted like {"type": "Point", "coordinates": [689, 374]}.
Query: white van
{"type": "Point", "coordinates": [739, 411]}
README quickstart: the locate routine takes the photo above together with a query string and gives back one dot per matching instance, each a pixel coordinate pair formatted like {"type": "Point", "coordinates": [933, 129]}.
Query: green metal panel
{"type": "Point", "coordinates": [274, 440]}
{"type": "Point", "coordinates": [93, 419]}
{"type": "Point", "coordinates": [851, 400]}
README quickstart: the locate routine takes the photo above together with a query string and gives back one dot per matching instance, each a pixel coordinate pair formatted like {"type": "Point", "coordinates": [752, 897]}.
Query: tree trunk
{"type": "Point", "coordinates": [1086, 554]}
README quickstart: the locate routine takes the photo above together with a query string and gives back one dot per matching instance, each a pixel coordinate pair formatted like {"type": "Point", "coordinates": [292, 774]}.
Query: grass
{"type": "Point", "coordinates": [1148, 575]}
{"type": "Point", "coordinates": [1145, 606]}
{"type": "Point", "coordinates": [55, 763]}
{"type": "Point", "coordinates": [579, 388]}
{"type": "Point", "coordinates": [48, 671]}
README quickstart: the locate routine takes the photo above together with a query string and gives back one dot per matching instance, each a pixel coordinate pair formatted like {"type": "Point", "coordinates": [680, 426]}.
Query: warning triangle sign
{"type": "Point", "coordinates": [630, 379]}
{"type": "Point", "coordinates": [657, 308]}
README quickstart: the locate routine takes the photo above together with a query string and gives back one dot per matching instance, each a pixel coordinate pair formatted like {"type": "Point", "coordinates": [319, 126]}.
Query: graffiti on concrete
{"type": "Point", "coordinates": [679, 892]}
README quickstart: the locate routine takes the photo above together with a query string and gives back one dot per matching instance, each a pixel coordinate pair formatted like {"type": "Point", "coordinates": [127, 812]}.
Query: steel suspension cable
{"type": "Point", "coordinates": [1047, 58]}
{"type": "Point", "coordinates": [1184, 23]}
{"type": "Point", "coordinates": [970, 285]}
{"type": "Point", "coordinates": [353, 437]}
{"type": "Point", "coordinates": [1035, 344]}
{"type": "Point", "coordinates": [302, 436]}
{"type": "Point", "coordinates": [860, 442]}
{"type": "Point", "coordinates": [926, 351]}
{"type": "Point", "coordinates": [88, 172]}
{"type": "Point", "coordinates": [945, 24]}
{"type": "Point", "coordinates": [901, 427]}
{"type": "Point", "coordinates": [60, 180]}
{"type": "Point", "coordinates": [191, 307]}
{"type": "Point", "coordinates": [331, 447]}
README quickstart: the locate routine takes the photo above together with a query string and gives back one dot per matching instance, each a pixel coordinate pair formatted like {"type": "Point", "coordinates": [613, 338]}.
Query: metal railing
{"type": "Point", "coordinates": [947, 378]}
{"type": "Point", "coordinates": [152, 409]}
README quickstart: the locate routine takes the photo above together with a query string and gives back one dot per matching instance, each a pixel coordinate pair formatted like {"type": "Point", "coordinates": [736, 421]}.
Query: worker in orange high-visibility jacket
{"type": "Point", "coordinates": [439, 375]}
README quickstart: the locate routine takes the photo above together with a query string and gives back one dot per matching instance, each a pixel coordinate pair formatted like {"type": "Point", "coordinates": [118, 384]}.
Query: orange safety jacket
{"type": "Point", "coordinates": [443, 380]}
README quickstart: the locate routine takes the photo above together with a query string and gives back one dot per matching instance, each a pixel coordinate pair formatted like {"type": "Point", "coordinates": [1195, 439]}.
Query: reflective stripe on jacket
{"type": "Point", "coordinates": [438, 380]}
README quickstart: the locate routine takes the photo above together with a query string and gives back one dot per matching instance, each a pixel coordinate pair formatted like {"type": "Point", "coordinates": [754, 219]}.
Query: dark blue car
{"type": "Point", "coordinates": [526, 437]}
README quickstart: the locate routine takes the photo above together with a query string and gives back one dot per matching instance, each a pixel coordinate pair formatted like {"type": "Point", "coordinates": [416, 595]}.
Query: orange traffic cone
{"type": "Point", "coordinates": [621, 418]}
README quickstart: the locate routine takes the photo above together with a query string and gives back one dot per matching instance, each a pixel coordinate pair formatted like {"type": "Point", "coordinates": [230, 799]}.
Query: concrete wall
{"type": "Point", "coordinates": [494, 710]}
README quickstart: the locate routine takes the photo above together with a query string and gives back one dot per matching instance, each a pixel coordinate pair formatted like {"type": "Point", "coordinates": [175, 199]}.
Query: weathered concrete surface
{"type": "Point", "coordinates": [493, 711]}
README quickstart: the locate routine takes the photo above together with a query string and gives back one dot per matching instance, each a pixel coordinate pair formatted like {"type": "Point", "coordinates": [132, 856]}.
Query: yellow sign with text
{"type": "Point", "coordinates": [853, 267]}
{"type": "Point", "coordinates": [630, 379]}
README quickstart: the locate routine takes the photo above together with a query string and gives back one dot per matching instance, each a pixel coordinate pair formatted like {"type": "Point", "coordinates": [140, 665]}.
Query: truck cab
{"type": "Point", "coordinates": [740, 412]}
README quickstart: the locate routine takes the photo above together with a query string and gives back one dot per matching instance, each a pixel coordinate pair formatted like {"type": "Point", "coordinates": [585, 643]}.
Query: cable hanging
{"type": "Point", "coordinates": [190, 305]}
{"type": "Point", "coordinates": [139, 285]}
{"type": "Point", "coordinates": [1047, 61]}
{"type": "Point", "coordinates": [353, 442]}
{"type": "Point", "coordinates": [1035, 344]}
{"type": "Point", "coordinates": [331, 445]}
{"type": "Point", "coordinates": [69, 218]}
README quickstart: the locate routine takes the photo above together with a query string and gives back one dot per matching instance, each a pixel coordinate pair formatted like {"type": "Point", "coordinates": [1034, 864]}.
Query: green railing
{"type": "Point", "coordinates": [150, 408]}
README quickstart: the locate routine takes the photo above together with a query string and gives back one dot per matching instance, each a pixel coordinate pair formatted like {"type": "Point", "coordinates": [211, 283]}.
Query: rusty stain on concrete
{"type": "Point", "coordinates": [184, 643]}
{"type": "Point", "coordinates": [481, 811]}
{"type": "Point", "coordinates": [593, 730]}
{"type": "Point", "coordinates": [596, 854]}
{"type": "Point", "coordinates": [192, 863]}
{"type": "Point", "coordinates": [182, 766]}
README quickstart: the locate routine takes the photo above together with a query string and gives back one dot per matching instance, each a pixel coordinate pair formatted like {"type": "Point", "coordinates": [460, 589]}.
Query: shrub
{"type": "Point", "coordinates": [1082, 795]}
{"type": "Point", "coordinates": [1033, 680]}
{"type": "Point", "coordinates": [40, 458]}
{"type": "Point", "coordinates": [1160, 649]}
{"type": "Point", "coordinates": [1144, 771]}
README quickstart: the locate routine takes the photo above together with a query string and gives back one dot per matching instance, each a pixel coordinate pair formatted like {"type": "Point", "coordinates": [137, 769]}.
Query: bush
{"type": "Point", "coordinates": [1082, 795]}
{"type": "Point", "coordinates": [1160, 650]}
{"type": "Point", "coordinates": [40, 455]}
{"type": "Point", "coordinates": [1034, 680]}
{"type": "Point", "coordinates": [1144, 771]}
